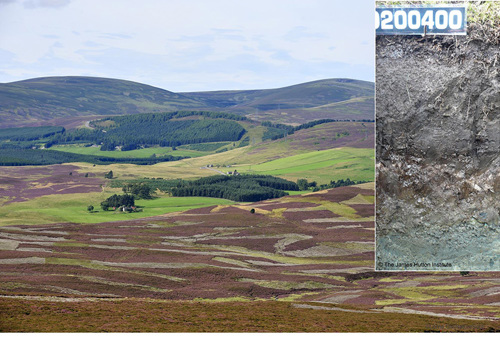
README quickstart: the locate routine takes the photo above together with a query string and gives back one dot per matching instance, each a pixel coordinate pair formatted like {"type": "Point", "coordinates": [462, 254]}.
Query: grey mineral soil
{"type": "Point", "coordinates": [438, 152]}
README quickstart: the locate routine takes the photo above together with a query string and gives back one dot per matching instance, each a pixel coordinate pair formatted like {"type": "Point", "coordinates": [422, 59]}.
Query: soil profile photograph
{"type": "Point", "coordinates": [438, 140]}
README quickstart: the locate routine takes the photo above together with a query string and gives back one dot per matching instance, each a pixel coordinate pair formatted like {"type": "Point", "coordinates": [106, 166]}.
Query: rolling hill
{"type": "Point", "coordinates": [305, 95]}
{"type": "Point", "coordinates": [55, 97]}
{"type": "Point", "coordinates": [73, 100]}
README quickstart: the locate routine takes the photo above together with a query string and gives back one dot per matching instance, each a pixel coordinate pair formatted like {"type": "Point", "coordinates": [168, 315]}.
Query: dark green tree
{"type": "Point", "coordinates": [115, 200]}
{"type": "Point", "coordinates": [303, 184]}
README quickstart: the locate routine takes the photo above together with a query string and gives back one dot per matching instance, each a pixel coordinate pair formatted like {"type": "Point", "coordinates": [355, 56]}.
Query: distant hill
{"type": "Point", "coordinates": [298, 103]}
{"type": "Point", "coordinates": [306, 95]}
{"type": "Point", "coordinates": [55, 97]}
{"type": "Point", "coordinates": [53, 100]}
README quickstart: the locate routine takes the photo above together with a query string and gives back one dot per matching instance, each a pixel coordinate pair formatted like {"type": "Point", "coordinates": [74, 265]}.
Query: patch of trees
{"type": "Point", "coordinates": [164, 129]}
{"type": "Point", "coordinates": [30, 133]}
{"type": "Point", "coordinates": [275, 133]}
{"type": "Point", "coordinates": [164, 117]}
{"type": "Point", "coordinates": [19, 144]}
{"type": "Point", "coordinates": [171, 133]}
{"type": "Point", "coordinates": [74, 136]}
{"type": "Point", "coordinates": [236, 188]}
{"type": "Point", "coordinates": [23, 157]}
{"type": "Point", "coordinates": [338, 183]}
{"type": "Point", "coordinates": [154, 184]}
{"type": "Point", "coordinates": [304, 185]}
{"type": "Point", "coordinates": [116, 201]}
{"type": "Point", "coordinates": [276, 130]}
{"type": "Point", "coordinates": [138, 190]}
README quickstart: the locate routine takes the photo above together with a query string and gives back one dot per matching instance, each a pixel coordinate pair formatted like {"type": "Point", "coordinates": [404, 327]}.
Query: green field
{"type": "Point", "coordinates": [320, 166]}
{"type": "Point", "coordinates": [142, 153]}
{"type": "Point", "coordinates": [73, 208]}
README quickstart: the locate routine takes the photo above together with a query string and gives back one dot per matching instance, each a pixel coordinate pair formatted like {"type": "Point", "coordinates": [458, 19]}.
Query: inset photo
{"type": "Point", "coordinates": [438, 135]}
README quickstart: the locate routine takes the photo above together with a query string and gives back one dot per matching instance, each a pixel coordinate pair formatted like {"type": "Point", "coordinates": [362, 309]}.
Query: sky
{"type": "Point", "coordinates": [189, 45]}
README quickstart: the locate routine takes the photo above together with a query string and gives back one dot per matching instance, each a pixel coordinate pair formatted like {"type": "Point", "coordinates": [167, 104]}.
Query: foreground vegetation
{"type": "Point", "coordinates": [135, 315]}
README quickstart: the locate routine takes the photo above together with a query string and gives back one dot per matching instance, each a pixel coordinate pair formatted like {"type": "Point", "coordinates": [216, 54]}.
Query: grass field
{"type": "Point", "coordinates": [73, 208]}
{"type": "Point", "coordinates": [141, 153]}
{"type": "Point", "coordinates": [320, 166]}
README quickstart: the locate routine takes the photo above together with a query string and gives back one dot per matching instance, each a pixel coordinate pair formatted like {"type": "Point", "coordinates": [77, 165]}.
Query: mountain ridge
{"type": "Point", "coordinates": [40, 101]}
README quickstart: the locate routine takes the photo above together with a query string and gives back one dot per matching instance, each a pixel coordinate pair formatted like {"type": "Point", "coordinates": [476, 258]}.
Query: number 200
{"type": "Point", "coordinates": [414, 20]}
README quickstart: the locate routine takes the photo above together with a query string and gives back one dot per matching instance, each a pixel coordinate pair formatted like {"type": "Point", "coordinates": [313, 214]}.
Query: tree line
{"type": "Point", "coordinates": [237, 188]}
{"type": "Point", "coordinates": [276, 131]}
{"type": "Point", "coordinates": [23, 157]}
{"type": "Point", "coordinates": [156, 129]}
{"type": "Point", "coordinates": [30, 133]}
{"type": "Point", "coordinates": [338, 183]}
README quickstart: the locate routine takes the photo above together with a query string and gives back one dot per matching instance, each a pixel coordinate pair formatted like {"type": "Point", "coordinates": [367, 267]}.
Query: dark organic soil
{"type": "Point", "coordinates": [438, 149]}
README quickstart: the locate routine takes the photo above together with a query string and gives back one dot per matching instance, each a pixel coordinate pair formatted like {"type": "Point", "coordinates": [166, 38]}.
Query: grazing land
{"type": "Point", "coordinates": [141, 153]}
{"type": "Point", "coordinates": [321, 166]}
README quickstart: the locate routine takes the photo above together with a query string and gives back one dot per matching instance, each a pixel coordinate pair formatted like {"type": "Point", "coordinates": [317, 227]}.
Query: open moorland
{"type": "Point", "coordinates": [305, 260]}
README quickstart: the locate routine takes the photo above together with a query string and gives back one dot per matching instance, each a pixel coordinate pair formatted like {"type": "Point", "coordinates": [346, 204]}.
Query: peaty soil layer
{"type": "Point", "coordinates": [438, 151]}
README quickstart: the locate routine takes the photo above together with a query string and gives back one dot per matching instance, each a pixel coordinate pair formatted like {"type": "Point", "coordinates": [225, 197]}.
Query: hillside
{"type": "Point", "coordinates": [298, 103]}
{"type": "Point", "coordinates": [64, 100]}
{"type": "Point", "coordinates": [310, 94]}
{"type": "Point", "coordinates": [55, 97]}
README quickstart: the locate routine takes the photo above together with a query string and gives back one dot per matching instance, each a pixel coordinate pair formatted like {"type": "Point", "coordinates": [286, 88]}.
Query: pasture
{"type": "Point", "coordinates": [320, 166]}
{"type": "Point", "coordinates": [141, 153]}
{"type": "Point", "coordinates": [57, 208]}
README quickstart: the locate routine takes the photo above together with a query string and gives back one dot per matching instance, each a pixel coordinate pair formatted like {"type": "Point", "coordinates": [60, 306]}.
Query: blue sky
{"type": "Point", "coordinates": [189, 45]}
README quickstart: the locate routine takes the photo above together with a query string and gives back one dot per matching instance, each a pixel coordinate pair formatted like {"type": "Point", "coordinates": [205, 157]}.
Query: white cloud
{"type": "Point", "coordinates": [177, 43]}
{"type": "Point", "coordinates": [46, 3]}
